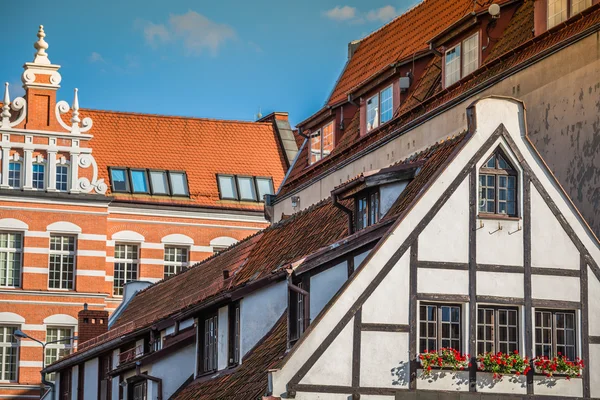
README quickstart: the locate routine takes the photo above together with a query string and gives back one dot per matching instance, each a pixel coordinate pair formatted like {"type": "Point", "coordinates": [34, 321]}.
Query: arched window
{"type": "Point", "coordinates": [498, 186]}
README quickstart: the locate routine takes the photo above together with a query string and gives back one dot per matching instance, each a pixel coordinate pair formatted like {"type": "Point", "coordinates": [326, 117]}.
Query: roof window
{"type": "Point", "coordinates": [145, 181]}
{"type": "Point", "coordinates": [461, 60]}
{"type": "Point", "coordinates": [244, 188]}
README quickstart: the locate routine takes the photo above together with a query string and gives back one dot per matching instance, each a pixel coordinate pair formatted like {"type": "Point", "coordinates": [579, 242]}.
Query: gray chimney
{"type": "Point", "coordinates": [352, 46]}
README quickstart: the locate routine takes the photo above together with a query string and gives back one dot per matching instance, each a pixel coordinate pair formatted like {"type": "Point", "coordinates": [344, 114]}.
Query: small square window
{"type": "Point", "coordinates": [159, 183]}
{"type": "Point", "coordinates": [179, 186]}
{"type": "Point", "coordinates": [264, 186]}
{"type": "Point", "coordinates": [139, 181]}
{"type": "Point", "coordinates": [227, 187]}
{"type": "Point", "coordinates": [119, 181]}
{"type": "Point", "coordinates": [247, 189]}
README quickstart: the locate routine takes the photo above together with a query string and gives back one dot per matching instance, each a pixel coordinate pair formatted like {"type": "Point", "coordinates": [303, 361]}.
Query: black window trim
{"type": "Point", "coordinates": [268, 178]}
{"type": "Point", "coordinates": [496, 340]}
{"type": "Point", "coordinates": [367, 193]}
{"type": "Point", "coordinates": [303, 283]}
{"type": "Point", "coordinates": [497, 172]}
{"type": "Point", "coordinates": [201, 325]}
{"type": "Point", "coordinates": [254, 188]}
{"type": "Point", "coordinates": [235, 188]}
{"type": "Point", "coordinates": [553, 312]}
{"type": "Point", "coordinates": [439, 339]}
{"type": "Point", "coordinates": [151, 187]}
{"type": "Point", "coordinates": [187, 186]}
{"type": "Point", "coordinates": [234, 308]}
{"type": "Point", "coordinates": [127, 182]}
{"type": "Point", "coordinates": [146, 177]}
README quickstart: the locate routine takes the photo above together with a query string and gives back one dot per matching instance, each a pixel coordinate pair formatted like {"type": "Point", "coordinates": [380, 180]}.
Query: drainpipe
{"type": "Point", "coordinates": [345, 209]}
{"type": "Point", "coordinates": [150, 378]}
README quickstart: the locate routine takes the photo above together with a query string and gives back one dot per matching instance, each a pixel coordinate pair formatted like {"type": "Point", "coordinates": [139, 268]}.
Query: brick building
{"type": "Point", "coordinates": [91, 200]}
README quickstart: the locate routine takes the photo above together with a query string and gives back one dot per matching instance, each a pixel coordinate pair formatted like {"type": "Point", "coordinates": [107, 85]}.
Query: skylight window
{"type": "Point", "coordinates": [264, 186]}
{"type": "Point", "coordinates": [139, 181]}
{"type": "Point", "coordinates": [154, 182]}
{"type": "Point", "coordinates": [159, 182]}
{"type": "Point", "coordinates": [179, 185]}
{"type": "Point", "coordinates": [247, 188]}
{"type": "Point", "coordinates": [119, 180]}
{"type": "Point", "coordinates": [244, 188]}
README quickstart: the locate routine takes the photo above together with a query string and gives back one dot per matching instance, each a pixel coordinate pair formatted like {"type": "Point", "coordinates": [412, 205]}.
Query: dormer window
{"type": "Point", "coordinates": [144, 181]}
{"type": "Point", "coordinates": [380, 108]}
{"type": "Point", "coordinates": [244, 188]}
{"type": "Point", "coordinates": [321, 143]}
{"type": "Point", "coordinates": [498, 186]}
{"type": "Point", "coordinates": [461, 60]}
{"type": "Point", "coordinates": [560, 10]}
{"type": "Point", "coordinates": [367, 208]}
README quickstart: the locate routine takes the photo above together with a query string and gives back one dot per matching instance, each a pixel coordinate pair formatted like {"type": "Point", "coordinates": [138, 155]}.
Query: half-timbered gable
{"type": "Point", "coordinates": [491, 256]}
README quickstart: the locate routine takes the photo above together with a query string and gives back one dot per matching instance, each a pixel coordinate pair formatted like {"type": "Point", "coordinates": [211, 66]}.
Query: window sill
{"type": "Point", "coordinates": [501, 217]}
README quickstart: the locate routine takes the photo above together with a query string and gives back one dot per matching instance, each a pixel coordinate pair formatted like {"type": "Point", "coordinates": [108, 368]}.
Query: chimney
{"type": "Point", "coordinates": [284, 131]}
{"type": "Point", "coordinates": [92, 323]}
{"type": "Point", "coordinates": [352, 46]}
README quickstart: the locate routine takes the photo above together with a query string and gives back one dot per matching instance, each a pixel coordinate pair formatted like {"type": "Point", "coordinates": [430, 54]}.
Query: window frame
{"type": "Point", "coordinates": [461, 58]}
{"type": "Point", "coordinates": [553, 339]}
{"type": "Point", "coordinates": [252, 185]}
{"type": "Point", "coordinates": [185, 180]}
{"type": "Point", "coordinates": [167, 182]}
{"type": "Point", "coordinates": [391, 88]}
{"type": "Point", "coordinates": [235, 188]}
{"type": "Point", "coordinates": [378, 120]}
{"type": "Point", "coordinates": [498, 172]}
{"type": "Point", "coordinates": [128, 262]}
{"type": "Point", "coordinates": [56, 175]}
{"type": "Point", "coordinates": [33, 173]}
{"type": "Point", "coordinates": [65, 344]}
{"type": "Point", "coordinates": [18, 251]}
{"type": "Point", "coordinates": [266, 178]}
{"type": "Point", "coordinates": [439, 338]}
{"type": "Point", "coordinates": [299, 307]}
{"type": "Point", "coordinates": [146, 180]}
{"type": "Point", "coordinates": [20, 164]}
{"type": "Point", "coordinates": [5, 345]}
{"type": "Point", "coordinates": [495, 340]}
{"type": "Point", "coordinates": [569, 13]}
{"type": "Point", "coordinates": [127, 182]}
{"type": "Point", "coordinates": [178, 266]}
{"type": "Point", "coordinates": [367, 195]}
{"type": "Point", "coordinates": [206, 364]}
{"type": "Point", "coordinates": [62, 253]}
{"type": "Point", "coordinates": [234, 330]}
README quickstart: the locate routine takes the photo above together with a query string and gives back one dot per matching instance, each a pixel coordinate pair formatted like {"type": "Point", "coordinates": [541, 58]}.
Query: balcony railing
{"type": "Point", "coordinates": [131, 354]}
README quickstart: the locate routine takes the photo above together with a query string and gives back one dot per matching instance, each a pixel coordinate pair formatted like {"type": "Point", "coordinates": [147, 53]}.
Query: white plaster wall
{"type": "Point", "coordinates": [594, 365]}
{"type": "Point", "coordinates": [384, 361]}
{"type": "Point", "coordinates": [90, 386]}
{"type": "Point", "coordinates": [56, 384]}
{"type": "Point", "coordinates": [223, 338]}
{"type": "Point", "coordinates": [173, 369]}
{"type": "Point", "coordinates": [115, 382]}
{"type": "Point", "coordinates": [74, 381]}
{"type": "Point", "coordinates": [446, 238]}
{"type": "Point", "coordinates": [320, 396]}
{"type": "Point", "coordinates": [504, 247]}
{"type": "Point", "coordinates": [376, 397]}
{"type": "Point", "coordinates": [557, 387]}
{"type": "Point", "coordinates": [500, 284]}
{"type": "Point", "coordinates": [360, 258]}
{"type": "Point", "coordinates": [550, 245]}
{"type": "Point", "coordinates": [444, 380]}
{"type": "Point", "coordinates": [334, 367]}
{"type": "Point", "coordinates": [259, 312]}
{"type": "Point", "coordinates": [593, 304]}
{"type": "Point", "coordinates": [388, 195]}
{"type": "Point", "coordinates": [433, 280]}
{"type": "Point", "coordinates": [389, 302]}
{"type": "Point", "coordinates": [555, 287]}
{"type": "Point", "coordinates": [508, 384]}
{"type": "Point", "coordinates": [324, 285]}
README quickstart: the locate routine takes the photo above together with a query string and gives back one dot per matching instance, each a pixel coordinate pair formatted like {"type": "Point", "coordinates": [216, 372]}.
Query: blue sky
{"type": "Point", "coordinates": [217, 59]}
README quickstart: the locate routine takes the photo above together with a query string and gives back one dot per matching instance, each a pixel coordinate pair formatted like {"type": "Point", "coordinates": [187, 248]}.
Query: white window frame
{"type": "Point", "coordinates": [9, 345]}
{"type": "Point", "coordinates": [377, 122]}
{"type": "Point", "coordinates": [62, 253]}
{"type": "Point", "coordinates": [17, 251]}
{"type": "Point", "coordinates": [377, 112]}
{"type": "Point", "coordinates": [21, 176]}
{"type": "Point", "coordinates": [68, 177]}
{"type": "Point", "coordinates": [128, 263]}
{"type": "Point", "coordinates": [318, 153]}
{"type": "Point", "coordinates": [64, 345]}
{"type": "Point", "coordinates": [44, 178]}
{"type": "Point", "coordinates": [556, 17]}
{"type": "Point", "coordinates": [178, 266]}
{"type": "Point", "coordinates": [460, 59]}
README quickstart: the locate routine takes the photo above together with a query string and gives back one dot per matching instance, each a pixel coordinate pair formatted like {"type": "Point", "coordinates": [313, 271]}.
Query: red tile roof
{"type": "Point", "coordinates": [248, 381]}
{"type": "Point", "coordinates": [201, 147]}
{"type": "Point", "coordinates": [398, 40]}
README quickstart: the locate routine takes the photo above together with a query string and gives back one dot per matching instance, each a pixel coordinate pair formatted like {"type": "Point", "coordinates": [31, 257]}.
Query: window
{"type": "Point", "coordinates": [264, 187]}
{"type": "Point", "coordinates": [179, 186]}
{"type": "Point", "coordinates": [227, 188]}
{"type": "Point", "coordinates": [387, 110]}
{"type": "Point", "coordinates": [140, 390]}
{"type": "Point", "coordinates": [299, 309]}
{"type": "Point", "coordinates": [498, 186]}
{"type": "Point", "coordinates": [439, 326]}
{"type": "Point", "coordinates": [176, 259]}
{"type": "Point", "coordinates": [559, 10]}
{"type": "Point", "coordinates": [11, 249]}
{"type": "Point", "coordinates": [246, 188]}
{"type": "Point", "coordinates": [62, 178]}
{"type": "Point", "coordinates": [81, 381]}
{"type": "Point", "coordinates": [373, 112]}
{"type": "Point", "coordinates": [38, 176]}
{"type": "Point", "coordinates": [64, 389]}
{"type": "Point", "coordinates": [159, 183]}
{"type": "Point", "coordinates": [8, 353]}
{"type": "Point", "coordinates": [105, 384]}
{"type": "Point", "coordinates": [497, 330]}
{"type": "Point", "coordinates": [119, 180]}
{"type": "Point", "coordinates": [321, 143]}
{"type": "Point", "coordinates": [380, 108]}
{"type": "Point", "coordinates": [14, 174]}
{"type": "Point", "coordinates": [555, 333]}
{"type": "Point", "coordinates": [139, 181]}
{"type": "Point", "coordinates": [234, 333]}
{"type": "Point", "coordinates": [367, 209]}
{"type": "Point", "coordinates": [126, 266]}
{"type": "Point", "coordinates": [209, 344]}
{"type": "Point", "coordinates": [461, 60]}
{"type": "Point", "coordinates": [315, 146]}
{"type": "Point", "coordinates": [59, 344]}
{"type": "Point", "coordinates": [62, 262]}
{"type": "Point", "coordinates": [578, 6]}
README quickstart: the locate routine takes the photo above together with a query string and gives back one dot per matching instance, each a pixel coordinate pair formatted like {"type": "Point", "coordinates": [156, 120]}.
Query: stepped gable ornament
{"type": "Point", "coordinates": [41, 65]}
{"type": "Point", "coordinates": [18, 104]}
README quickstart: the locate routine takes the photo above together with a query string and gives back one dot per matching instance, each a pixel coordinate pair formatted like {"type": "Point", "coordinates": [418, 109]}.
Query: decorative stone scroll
{"type": "Point", "coordinates": [86, 186]}
{"type": "Point", "coordinates": [62, 107]}
{"type": "Point", "coordinates": [18, 104]}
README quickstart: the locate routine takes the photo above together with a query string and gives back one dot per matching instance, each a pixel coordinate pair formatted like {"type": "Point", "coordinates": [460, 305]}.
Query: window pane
{"type": "Point", "coordinates": [158, 180]}
{"type": "Point", "coordinates": [14, 175]}
{"type": "Point", "coordinates": [62, 178]}
{"type": "Point", "coordinates": [373, 112]}
{"type": "Point", "coordinates": [119, 180]}
{"type": "Point", "coordinates": [315, 147]}
{"type": "Point", "coordinates": [227, 187]}
{"type": "Point", "coordinates": [265, 186]}
{"type": "Point", "coordinates": [452, 66]}
{"type": "Point", "coordinates": [327, 139]}
{"type": "Point", "coordinates": [471, 54]}
{"type": "Point", "coordinates": [179, 183]}
{"type": "Point", "coordinates": [578, 6]}
{"type": "Point", "coordinates": [38, 176]}
{"type": "Point", "coordinates": [139, 181]}
{"type": "Point", "coordinates": [387, 110]}
{"type": "Point", "coordinates": [557, 12]}
{"type": "Point", "coordinates": [246, 186]}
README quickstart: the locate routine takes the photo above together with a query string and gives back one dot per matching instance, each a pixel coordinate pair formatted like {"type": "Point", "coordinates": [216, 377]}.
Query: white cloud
{"type": "Point", "coordinates": [383, 14]}
{"type": "Point", "coordinates": [194, 30]}
{"type": "Point", "coordinates": [96, 58]}
{"type": "Point", "coordinates": [341, 13]}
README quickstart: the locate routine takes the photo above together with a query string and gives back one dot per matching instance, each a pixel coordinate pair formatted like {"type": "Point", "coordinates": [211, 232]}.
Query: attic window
{"type": "Point", "coordinates": [367, 208]}
{"type": "Point", "coordinates": [559, 10]}
{"type": "Point", "coordinates": [498, 186]}
{"type": "Point", "coordinates": [244, 188]}
{"type": "Point", "coordinates": [380, 108]}
{"type": "Point", "coordinates": [144, 181]}
{"type": "Point", "coordinates": [321, 143]}
{"type": "Point", "coordinates": [461, 60]}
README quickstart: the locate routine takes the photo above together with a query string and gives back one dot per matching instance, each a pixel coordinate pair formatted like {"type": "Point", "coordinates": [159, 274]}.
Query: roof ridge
{"type": "Point", "coordinates": [153, 115]}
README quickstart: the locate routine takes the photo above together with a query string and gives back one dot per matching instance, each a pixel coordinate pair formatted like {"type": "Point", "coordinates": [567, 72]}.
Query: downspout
{"type": "Point", "coordinates": [49, 395]}
{"type": "Point", "coordinates": [150, 378]}
{"type": "Point", "coordinates": [345, 209]}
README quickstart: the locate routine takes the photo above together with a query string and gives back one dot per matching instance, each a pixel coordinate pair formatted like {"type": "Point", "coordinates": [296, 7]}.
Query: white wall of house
{"type": "Point", "coordinates": [90, 386]}
{"type": "Point", "coordinates": [223, 338]}
{"type": "Point", "coordinates": [388, 195]}
{"type": "Point", "coordinates": [259, 311]}
{"type": "Point", "coordinates": [324, 285]}
{"type": "Point", "coordinates": [173, 369]}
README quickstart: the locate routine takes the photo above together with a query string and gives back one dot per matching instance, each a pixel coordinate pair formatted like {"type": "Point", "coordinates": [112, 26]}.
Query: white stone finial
{"type": "Point", "coordinates": [5, 107]}
{"type": "Point", "coordinates": [62, 107]}
{"type": "Point", "coordinates": [75, 116]}
{"type": "Point", "coordinates": [41, 57]}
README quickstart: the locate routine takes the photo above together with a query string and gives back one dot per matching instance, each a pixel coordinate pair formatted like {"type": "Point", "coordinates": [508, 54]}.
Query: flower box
{"type": "Point", "coordinates": [445, 358]}
{"type": "Point", "coordinates": [503, 364]}
{"type": "Point", "coordinates": [446, 380]}
{"type": "Point", "coordinates": [557, 386]}
{"type": "Point", "coordinates": [486, 383]}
